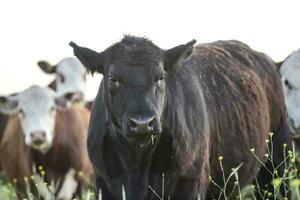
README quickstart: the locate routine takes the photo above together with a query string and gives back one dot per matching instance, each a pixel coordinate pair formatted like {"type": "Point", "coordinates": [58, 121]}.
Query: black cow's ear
{"type": "Point", "coordinates": [46, 67]}
{"type": "Point", "coordinates": [92, 60]}
{"type": "Point", "coordinates": [174, 57]}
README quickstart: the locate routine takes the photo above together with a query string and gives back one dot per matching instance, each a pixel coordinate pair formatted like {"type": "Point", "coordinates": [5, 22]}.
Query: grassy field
{"type": "Point", "coordinates": [291, 177]}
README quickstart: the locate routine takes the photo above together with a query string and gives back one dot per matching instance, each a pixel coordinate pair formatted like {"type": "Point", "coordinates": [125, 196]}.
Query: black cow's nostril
{"type": "Point", "coordinates": [141, 125]}
{"type": "Point", "coordinates": [132, 124]}
{"type": "Point", "coordinates": [151, 123]}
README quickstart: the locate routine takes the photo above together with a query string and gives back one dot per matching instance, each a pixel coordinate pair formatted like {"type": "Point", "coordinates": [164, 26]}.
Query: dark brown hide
{"type": "Point", "coordinates": [15, 156]}
{"type": "Point", "coordinates": [3, 122]}
{"type": "Point", "coordinates": [245, 102]}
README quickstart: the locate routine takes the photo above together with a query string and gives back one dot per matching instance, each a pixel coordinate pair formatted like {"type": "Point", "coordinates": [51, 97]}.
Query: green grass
{"type": "Point", "coordinates": [291, 176]}
{"type": "Point", "coordinates": [7, 191]}
{"type": "Point", "coordinates": [290, 179]}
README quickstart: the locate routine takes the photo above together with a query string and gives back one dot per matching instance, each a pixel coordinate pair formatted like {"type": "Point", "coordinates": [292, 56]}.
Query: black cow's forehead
{"type": "Point", "coordinates": [135, 51]}
{"type": "Point", "coordinates": [136, 73]}
{"type": "Point", "coordinates": [135, 59]}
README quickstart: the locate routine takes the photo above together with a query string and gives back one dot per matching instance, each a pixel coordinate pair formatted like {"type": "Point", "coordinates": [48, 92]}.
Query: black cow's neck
{"type": "Point", "coordinates": [136, 168]}
{"type": "Point", "coordinates": [133, 156]}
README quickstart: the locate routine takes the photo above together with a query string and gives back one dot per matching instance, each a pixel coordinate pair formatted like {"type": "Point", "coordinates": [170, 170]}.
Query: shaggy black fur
{"type": "Point", "coordinates": [217, 99]}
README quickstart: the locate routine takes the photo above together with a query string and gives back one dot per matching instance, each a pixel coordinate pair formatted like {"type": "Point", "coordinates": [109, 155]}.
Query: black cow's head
{"type": "Point", "coordinates": [135, 72]}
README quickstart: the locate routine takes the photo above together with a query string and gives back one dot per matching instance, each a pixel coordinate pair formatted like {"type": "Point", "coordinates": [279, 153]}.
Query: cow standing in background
{"type": "Point", "coordinates": [289, 70]}
{"type": "Point", "coordinates": [70, 77]}
{"type": "Point", "coordinates": [41, 133]}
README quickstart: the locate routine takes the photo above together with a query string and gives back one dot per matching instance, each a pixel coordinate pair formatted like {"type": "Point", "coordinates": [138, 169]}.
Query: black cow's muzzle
{"type": "Point", "coordinates": [142, 127]}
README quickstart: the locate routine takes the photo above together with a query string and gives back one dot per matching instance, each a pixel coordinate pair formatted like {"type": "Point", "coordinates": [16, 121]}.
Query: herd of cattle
{"type": "Point", "coordinates": [47, 127]}
{"type": "Point", "coordinates": [159, 126]}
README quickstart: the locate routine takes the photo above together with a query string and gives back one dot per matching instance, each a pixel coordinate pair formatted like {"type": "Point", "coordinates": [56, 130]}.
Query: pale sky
{"type": "Point", "coordinates": [31, 30]}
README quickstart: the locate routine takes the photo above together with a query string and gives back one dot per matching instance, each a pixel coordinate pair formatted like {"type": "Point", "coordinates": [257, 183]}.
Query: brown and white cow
{"type": "Point", "coordinates": [70, 77]}
{"type": "Point", "coordinates": [39, 132]}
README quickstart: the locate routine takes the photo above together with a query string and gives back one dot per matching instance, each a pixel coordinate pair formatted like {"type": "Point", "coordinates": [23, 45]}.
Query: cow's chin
{"type": "Point", "coordinates": [143, 140]}
{"type": "Point", "coordinates": [42, 148]}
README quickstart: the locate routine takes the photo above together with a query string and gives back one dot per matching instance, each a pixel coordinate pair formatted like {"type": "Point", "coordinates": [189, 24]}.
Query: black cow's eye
{"type": "Point", "coordinates": [113, 81]}
{"type": "Point", "coordinates": [161, 79]}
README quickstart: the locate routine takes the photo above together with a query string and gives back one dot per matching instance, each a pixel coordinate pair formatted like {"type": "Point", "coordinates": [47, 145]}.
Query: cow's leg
{"type": "Point", "coordinates": [69, 186]}
{"type": "Point", "coordinates": [281, 136]}
{"type": "Point", "coordinates": [194, 187]}
{"type": "Point", "coordinates": [43, 190]}
{"type": "Point", "coordinates": [189, 189]}
{"type": "Point", "coordinates": [22, 192]}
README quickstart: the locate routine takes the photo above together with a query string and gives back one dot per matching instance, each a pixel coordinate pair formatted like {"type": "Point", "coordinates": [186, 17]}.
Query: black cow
{"type": "Point", "coordinates": [162, 118]}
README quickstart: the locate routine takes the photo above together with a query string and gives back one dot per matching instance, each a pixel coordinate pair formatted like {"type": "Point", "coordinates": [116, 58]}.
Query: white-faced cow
{"type": "Point", "coordinates": [162, 118]}
{"type": "Point", "coordinates": [70, 77]}
{"type": "Point", "coordinates": [289, 71]}
{"type": "Point", "coordinates": [39, 132]}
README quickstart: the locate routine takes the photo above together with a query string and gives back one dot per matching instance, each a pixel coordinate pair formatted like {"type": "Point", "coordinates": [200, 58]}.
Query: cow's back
{"type": "Point", "coordinates": [243, 100]}
{"type": "Point", "coordinates": [265, 68]}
